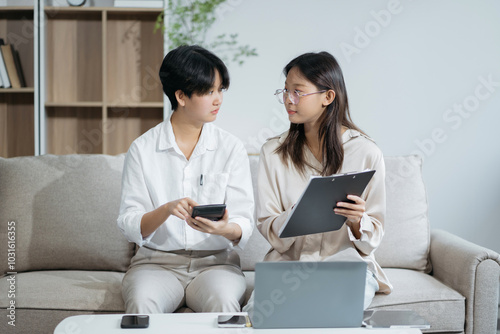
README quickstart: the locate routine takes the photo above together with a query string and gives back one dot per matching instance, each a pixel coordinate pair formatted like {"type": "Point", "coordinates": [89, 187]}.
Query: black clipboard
{"type": "Point", "coordinates": [314, 213]}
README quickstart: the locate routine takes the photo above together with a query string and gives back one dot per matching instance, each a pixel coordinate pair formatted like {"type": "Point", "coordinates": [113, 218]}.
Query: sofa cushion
{"type": "Point", "coordinates": [64, 209]}
{"type": "Point", "coordinates": [440, 305]}
{"type": "Point", "coordinates": [257, 247]}
{"type": "Point", "coordinates": [67, 290]}
{"type": "Point", "coordinates": [255, 250]}
{"type": "Point", "coordinates": [406, 241]}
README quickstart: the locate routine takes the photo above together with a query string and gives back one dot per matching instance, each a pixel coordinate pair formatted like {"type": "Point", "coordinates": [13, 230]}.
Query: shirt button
{"type": "Point", "coordinates": [187, 188]}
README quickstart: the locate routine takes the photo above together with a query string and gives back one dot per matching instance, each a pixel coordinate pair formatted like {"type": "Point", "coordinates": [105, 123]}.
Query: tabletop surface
{"type": "Point", "coordinates": [187, 323]}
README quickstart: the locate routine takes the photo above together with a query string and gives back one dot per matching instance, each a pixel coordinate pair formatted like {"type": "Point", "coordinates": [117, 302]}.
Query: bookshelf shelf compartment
{"type": "Point", "coordinates": [91, 77]}
{"type": "Point", "coordinates": [74, 104]}
{"type": "Point", "coordinates": [126, 124]}
{"type": "Point", "coordinates": [103, 61]}
{"type": "Point", "coordinates": [74, 130]}
{"type": "Point", "coordinates": [17, 105]}
{"type": "Point", "coordinates": [133, 58]}
{"type": "Point", "coordinates": [16, 125]}
{"type": "Point", "coordinates": [17, 9]}
{"type": "Point", "coordinates": [17, 90]}
{"type": "Point", "coordinates": [55, 9]}
{"type": "Point", "coordinates": [73, 57]}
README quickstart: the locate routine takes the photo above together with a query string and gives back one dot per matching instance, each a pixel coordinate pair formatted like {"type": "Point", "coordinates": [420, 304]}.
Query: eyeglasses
{"type": "Point", "coordinates": [294, 96]}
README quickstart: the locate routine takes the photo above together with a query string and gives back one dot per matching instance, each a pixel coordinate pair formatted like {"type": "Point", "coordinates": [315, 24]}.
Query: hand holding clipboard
{"type": "Point", "coordinates": [314, 212]}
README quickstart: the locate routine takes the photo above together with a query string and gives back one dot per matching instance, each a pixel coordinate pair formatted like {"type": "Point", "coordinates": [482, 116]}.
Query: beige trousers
{"type": "Point", "coordinates": [205, 281]}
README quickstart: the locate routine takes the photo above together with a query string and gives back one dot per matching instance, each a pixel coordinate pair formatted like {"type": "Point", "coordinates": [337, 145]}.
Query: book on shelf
{"type": "Point", "coordinates": [8, 58]}
{"type": "Point", "coordinates": [3, 72]}
{"type": "Point", "coordinates": [19, 68]}
{"type": "Point", "coordinates": [13, 69]}
{"type": "Point", "coordinates": [4, 78]}
{"type": "Point", "coordinates": [140, 4]}
{"type": "Point", "coordinates": [1, 60]}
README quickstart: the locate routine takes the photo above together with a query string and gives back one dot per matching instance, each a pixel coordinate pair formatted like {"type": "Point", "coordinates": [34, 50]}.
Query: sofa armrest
{"type": "Point", "coordinates": [471, 270]}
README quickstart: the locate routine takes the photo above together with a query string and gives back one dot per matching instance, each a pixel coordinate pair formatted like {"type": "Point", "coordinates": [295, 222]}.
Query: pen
{"type": "Point", "coordinates": [201, 179]}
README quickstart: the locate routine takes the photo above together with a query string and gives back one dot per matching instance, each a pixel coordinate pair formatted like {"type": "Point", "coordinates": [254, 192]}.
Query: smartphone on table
{"type": "Point", "coordinates": [135, 321]}
{"type": "Point", "coordinates": [213, 212]}
{"type": "Point", "coordinates": [232, 321]}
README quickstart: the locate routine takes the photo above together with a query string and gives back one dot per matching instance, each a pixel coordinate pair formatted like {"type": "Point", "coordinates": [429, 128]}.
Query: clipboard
{"type": "Point", "coordinates": [314, 213]}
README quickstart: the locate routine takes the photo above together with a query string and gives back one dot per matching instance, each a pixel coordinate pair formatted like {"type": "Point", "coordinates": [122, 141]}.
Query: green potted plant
{"type": "Point", "coordinates": [188, 21]}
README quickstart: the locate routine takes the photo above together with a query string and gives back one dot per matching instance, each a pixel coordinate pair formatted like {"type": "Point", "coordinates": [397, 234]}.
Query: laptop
{"type": "Point", "coordinates": [294, 294]}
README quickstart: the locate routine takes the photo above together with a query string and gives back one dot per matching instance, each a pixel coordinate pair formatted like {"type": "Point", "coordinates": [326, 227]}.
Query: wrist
{"type": "Point", "coordinates": [233, 232]}
{"type": "Point", "coordinates": [355, 228]}
{"type": "Point", "coordinates": [166, 210]}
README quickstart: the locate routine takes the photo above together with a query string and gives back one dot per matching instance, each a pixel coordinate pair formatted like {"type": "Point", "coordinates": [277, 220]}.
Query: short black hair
{"type": "Point", "coordinates": [191, 69]}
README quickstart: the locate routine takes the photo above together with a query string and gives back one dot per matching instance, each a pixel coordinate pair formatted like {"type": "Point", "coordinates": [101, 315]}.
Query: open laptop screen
{"type": "Point", "coordinates": [293, 294]}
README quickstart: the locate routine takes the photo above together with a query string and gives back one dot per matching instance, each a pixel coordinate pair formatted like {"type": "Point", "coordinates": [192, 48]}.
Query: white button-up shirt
{"type": "Point", "coordinates": [157, 172]}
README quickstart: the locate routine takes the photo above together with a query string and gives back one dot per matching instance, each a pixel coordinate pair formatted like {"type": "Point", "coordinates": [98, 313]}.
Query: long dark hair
{"type": "Point", "coordinates": [324, 72]}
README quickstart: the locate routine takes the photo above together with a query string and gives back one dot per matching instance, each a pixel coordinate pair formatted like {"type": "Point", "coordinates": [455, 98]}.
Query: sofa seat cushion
{"type": "Point", "coordinates": [442, 306]}
{"type": "Point", "coordinates": [97, 291]}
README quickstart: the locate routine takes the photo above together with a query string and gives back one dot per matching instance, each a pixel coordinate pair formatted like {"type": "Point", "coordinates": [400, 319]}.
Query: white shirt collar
{"type": "Point", "coordinates": [208, 139]}
{"type": "Point", "coordinates": [348, 134]}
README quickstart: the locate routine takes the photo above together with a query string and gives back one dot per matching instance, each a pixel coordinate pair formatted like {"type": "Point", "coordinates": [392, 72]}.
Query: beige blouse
{"type": "Point", "coordinates": [280, 186]}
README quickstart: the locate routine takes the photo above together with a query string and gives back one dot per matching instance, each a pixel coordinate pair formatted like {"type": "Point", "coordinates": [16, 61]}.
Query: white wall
{"type": "Point", "coordinates": [405, 72]}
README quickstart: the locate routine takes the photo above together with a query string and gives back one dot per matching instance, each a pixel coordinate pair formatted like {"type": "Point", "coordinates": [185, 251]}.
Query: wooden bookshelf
{"type": "Point", "coordinates": [74, 130]}
{"type": "Point", "coordinates": [17, 107]}
{"type": "Point", "coordinates": [73, 64]}
{"type": "Point", "coordinates": [17, 90]}
{"type": "Point", "coordinates": [126, 124]}
{"type": "Point", "coordinates": [101, 72]}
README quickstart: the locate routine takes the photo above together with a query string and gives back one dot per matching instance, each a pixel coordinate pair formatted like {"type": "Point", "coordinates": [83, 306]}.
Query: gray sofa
{"type": "Point", "coordinates": [67, 256]}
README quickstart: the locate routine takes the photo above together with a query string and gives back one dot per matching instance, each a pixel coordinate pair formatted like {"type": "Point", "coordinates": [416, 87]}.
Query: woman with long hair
{"type": "Point", "coordinates": [322, 140]}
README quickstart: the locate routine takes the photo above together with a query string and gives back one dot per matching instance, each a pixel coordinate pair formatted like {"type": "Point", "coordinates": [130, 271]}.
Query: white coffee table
{"type": "Point", "coordinates": [187, 323]}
